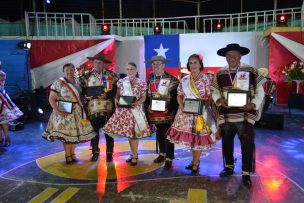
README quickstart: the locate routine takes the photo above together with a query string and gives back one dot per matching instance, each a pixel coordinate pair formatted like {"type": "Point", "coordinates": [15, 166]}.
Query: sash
{"type": "Point", "coordinates": [76, 95]}
{"type": "Point", "coordinates": [140, 123]}
{"type": "Point", "coordinates": [191, 92]}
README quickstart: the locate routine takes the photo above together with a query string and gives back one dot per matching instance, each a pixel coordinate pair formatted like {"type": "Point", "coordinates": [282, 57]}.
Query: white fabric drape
{"type": "Point", "coordinates": [46, 74]}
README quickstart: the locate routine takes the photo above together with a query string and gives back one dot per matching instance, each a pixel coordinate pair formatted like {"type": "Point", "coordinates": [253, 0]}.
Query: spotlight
{"type": "Point", "coordinates": [218, 27]}
{"type": "Point", "coordinates": [48, 1]}
{"type": "Point", "coordinates": [24, 45]}
{"type": "Point", "coordinates": [157, 29]}
{"type": "Point", "coordinates": [105, 29]}
{"type": "Point", "coordinates": [40, 111]}
{"type": "Point", "coordinates": [282, 20]}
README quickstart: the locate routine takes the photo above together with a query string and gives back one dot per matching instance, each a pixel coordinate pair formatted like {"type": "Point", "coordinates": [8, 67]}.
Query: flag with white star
{"type": "Point", "coordinates": [163, 45]}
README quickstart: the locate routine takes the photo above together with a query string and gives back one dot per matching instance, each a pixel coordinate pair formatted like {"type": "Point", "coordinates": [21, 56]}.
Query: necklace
{"type": "Point", "coordinates": [233, 81]}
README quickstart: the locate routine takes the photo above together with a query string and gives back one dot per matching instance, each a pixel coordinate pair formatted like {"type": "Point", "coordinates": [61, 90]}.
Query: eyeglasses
{"type": "Point", "coordinates": [157, 64]}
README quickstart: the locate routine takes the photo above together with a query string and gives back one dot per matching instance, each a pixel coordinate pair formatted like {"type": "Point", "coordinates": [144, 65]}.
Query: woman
{"type": "Point", "coordinates": [8, 111]}
{"type": "Point", "coordinates": [194, 130]}
{"type": "Point", "coordinates": [68, 121]}
{"type": "Point", "coordinates": [130, 122]}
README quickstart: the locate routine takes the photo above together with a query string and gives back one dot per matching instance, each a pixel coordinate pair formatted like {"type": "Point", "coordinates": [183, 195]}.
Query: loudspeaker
{"type": "Point", "coordinates": [274, 121]}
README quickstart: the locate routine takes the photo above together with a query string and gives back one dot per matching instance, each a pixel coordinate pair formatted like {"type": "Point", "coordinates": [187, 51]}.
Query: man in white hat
{"type": "Point", "coordinates": [237, 81]}
{"type": "Point", "coordinates": [162, 85]}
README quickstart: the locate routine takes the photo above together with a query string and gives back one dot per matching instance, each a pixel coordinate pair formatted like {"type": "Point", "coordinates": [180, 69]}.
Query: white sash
{"type": "Point", "coordinates": [140, 123]}
{"type": "Point", "coordinates": [191, 95]}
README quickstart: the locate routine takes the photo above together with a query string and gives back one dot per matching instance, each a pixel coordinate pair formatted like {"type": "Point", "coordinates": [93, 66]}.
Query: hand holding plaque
{"type": "Point", "coordinates": [193, 106]}
{"type": "Point", "coordinates": [94, 91]}
{"type": "Point", "coordinates": [65, 106]}
{"type": "Point", "coordinates": [126, 101]}
{"type": "Point", "coordinates": [237, 98]}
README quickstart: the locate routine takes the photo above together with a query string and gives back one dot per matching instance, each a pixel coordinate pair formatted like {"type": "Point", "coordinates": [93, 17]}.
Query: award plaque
{"type": "Point", "coordinates": [193, 106]}
{"type": "Point", "coordinates": [126, 101]}
{"type": "Point", "coordinates": [94, 90]}
{"type": "Point", "coordinates": [237, 98]}
{"type": "Point", "coordinates": [65, 106]}
{"type": "Point", "coordinates": [158, 104]}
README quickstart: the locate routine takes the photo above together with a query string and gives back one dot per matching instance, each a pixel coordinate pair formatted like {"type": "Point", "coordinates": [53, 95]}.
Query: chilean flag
{"type": "Point", "coordinates": [166, 46]}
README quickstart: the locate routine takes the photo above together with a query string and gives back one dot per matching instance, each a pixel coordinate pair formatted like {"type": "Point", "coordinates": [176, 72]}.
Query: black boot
{"type": "Point", "coordinates": [109, 157]}
{"type": "Point", "coordinates": [159, 159]}
{"type": "Point", "coordinates": [95, 157]}
{"type": "Point", "coordinates": [226, 172]}
{"type": "Point", "coordinates": [168, 164]}
{"type": "Point", "coordinates": [246, 181]}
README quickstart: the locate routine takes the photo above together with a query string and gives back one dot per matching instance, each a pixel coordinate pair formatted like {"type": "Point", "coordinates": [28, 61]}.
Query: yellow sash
{"type": "Point", "coordinates": [200, 122]}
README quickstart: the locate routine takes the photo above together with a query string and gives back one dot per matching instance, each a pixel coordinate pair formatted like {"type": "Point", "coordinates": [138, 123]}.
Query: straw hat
{"type": "Point", "coordinates": [100, 57]}
{"type": "Point", "coordinates": [158, 58]}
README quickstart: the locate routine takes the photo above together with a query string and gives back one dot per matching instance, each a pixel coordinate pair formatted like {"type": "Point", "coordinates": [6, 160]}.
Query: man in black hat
{"type": "Point", "coordinates": [163, 86]}
{"type": "Point", "coordinates": [100, 107]}
{"type": "Point", "coordinates": [238, 92]}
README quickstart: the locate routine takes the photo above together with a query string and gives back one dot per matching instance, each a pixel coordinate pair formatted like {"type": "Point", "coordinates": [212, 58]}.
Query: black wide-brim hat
{"type": "Point", "coordinates": [233, 47]}
{"type": "Point", "coordinates": [100, 57]}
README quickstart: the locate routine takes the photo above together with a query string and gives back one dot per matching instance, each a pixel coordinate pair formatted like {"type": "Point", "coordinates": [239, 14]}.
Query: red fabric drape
{"type": "Point", "coordinates": [279, 56]}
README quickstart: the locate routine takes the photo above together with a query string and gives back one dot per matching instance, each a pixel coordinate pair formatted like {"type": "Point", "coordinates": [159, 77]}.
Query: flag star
{"type": "Point", "coordinates": [161, 51]}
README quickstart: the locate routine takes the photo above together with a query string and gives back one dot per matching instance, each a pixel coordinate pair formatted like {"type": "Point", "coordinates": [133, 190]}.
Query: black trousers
{"type": "Point", "coordinates": [98, 123]}
{"type": "Point", "coordinates": [268, 101]}
{"type": "Point", "coordinates": [246, 136]}
{"type": "Point", "coordinates": [165, 146]}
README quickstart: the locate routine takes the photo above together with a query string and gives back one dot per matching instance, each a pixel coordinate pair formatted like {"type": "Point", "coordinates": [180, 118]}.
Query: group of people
{"type": "Point", "coordinates": [172, 120]}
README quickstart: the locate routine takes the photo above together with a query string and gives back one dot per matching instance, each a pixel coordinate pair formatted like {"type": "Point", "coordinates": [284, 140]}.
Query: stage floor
{"type": "Point", "coordinates": [34, 170]}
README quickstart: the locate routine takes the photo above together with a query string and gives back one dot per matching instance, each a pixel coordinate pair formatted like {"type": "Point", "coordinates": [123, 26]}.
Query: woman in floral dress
{"type": "Point", "coordinates": [195, 131]}
{"type": "Point", "coordinates": [130, 122]}
{"type": "Point", "coordinates": [8, 111]}
{"type": "Point", "coordinates": [70, 128]}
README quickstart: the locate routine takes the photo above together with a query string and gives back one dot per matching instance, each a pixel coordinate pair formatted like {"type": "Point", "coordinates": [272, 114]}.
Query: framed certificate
{"type": "Point", "coordinates": [158, 105]}
{"type": "Point", "coordinates": [94, 90]}
{"type": "Point", "coordinates": [65, 106]}
{"type": "Point", "coordinates": [126, 101]}
{"type": "Point", "coordinates": [193, 106]}
{"type": "Point", "coordinates": [237, 98]}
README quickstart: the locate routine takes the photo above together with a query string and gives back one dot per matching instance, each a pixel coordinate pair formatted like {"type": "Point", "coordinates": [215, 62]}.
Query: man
{"type": "Point", "coordinates": [243, 79]}
{"type": "Point", "coordinates": [162, 85]}
{"type": "Point", "coordinates": [100, 107]}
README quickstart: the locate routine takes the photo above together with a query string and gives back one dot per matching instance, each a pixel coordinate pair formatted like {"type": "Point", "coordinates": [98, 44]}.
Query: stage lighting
{"type": "Point", "coordinates": [157, 29]}
{"type": "Point", "coordinates": [24, 45]}
{"type": "Point", "coordinates": [48, 1]}
{"type": "Point", "coordinates": [105, 29]}
{"type": "Point", "coordinates": [218, 27]}
{"type": "Point", "coordinates": [282, 20]}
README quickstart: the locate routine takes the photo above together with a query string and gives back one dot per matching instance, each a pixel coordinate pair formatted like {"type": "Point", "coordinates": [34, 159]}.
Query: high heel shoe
{"type": "Point", "coordinates": [195, 168]}
{"type": "Point", "coordinates": [189, 167]}
{"type": "Point", "coordinates": [128, 160]}
{"type": "Point", "coordinates": [74, 158]}
{"type": "Point", "coordinates": [132, 162]}
{"type": "Point", "coordinates": [68, 160]}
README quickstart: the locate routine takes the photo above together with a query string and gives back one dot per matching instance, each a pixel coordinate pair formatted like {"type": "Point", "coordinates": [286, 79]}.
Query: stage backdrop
{"type": "Point", "coordinates": [284, 49]}
{"type": "Point", "coordinates": [178, 48]}
{"type": "Point", "coordinates": [47, 57]}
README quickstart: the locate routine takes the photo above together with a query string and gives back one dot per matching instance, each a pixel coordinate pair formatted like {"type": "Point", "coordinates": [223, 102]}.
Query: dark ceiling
{"type": "Point", "coordinates": [14, 9]}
